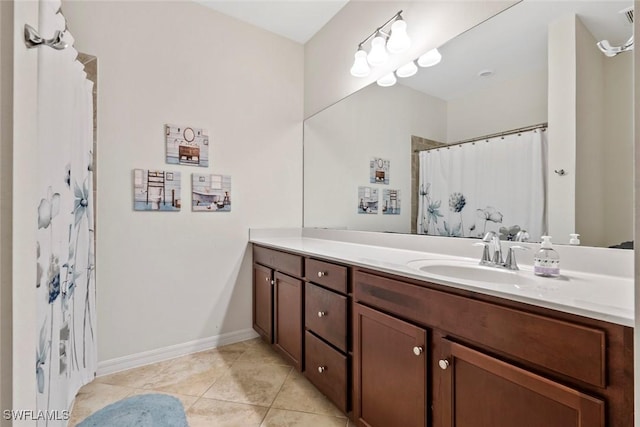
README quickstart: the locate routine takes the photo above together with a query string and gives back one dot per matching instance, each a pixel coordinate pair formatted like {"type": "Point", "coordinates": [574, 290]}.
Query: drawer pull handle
{"type": "Point", "coordinates": [266, 279]}
{"type": "Point", "coordinates": [322, 273]}
{"type": "Point", "coordinates": [321, 369]}
{"type": "Point", "coordinates": [273, 282]}
{"type": "Point", "coordinates": [417, 350]}
{"type": "Point", "coordinates": [322, 313]}
{"type": "Point", "coordinates": [443, 363]}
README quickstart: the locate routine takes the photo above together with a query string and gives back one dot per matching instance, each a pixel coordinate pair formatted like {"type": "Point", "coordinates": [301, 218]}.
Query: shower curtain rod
{"type": "Point", "coordinates": [542, 126]}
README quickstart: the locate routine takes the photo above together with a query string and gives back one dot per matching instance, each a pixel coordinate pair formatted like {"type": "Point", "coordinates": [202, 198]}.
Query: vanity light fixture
{"type": "Point", "coordinates": [395, 40]}
{"type": "Point", "coordinates": [429, 59]}
{"type": "Point", "coordinates": [360, 66]}
{"type": "Point", "coordinates": [407, 70]}
{"type": "Point", "coordinates": [387, 80]}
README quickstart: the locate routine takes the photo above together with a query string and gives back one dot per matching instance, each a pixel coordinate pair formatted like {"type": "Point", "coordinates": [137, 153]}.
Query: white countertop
{"type": "Point", "coordinates": [603, 297]}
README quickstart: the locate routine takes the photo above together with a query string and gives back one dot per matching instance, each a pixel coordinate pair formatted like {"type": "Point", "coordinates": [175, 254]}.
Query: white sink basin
{"type": "Point", "coordinates": [473, 272]}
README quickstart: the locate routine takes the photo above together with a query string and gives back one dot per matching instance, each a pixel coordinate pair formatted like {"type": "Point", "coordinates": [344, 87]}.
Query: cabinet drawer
{"type": "Point", "coordinates": [566, 348]}
{"type": "Point", "coordinates": [326, 315]}
{"type": "Point", "coordinates": [326, 274]}
{"type": "Point", "coordinates": [326, 368]}
{"type": "Point", "coordinates": [281, 261]}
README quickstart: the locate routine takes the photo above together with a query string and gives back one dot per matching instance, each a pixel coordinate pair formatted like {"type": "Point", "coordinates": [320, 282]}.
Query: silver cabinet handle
{"type": "Point", "coordinates": [322, 313]}
{"type": "Point", "coordinates": [273, 282]}
{"type": "Point", "coordinates": [321, 369]}
{"type": "Point", "coordinates": [417, 350]}
{"type": "Point", "coordinates": [266, 279]}
{"type": "Point", "coordinates": [322, 273]}
{"type": "Point", "coordinates": [443, 363]}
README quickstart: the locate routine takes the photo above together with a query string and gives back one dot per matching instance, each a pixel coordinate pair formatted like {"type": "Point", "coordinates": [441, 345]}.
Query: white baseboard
{"type": "Point", "coordinates": [147, 357]}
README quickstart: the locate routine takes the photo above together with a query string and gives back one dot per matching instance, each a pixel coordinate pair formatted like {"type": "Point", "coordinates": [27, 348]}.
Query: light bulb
{"type": "Point", "coordinates": [378, 54]}
{"type": "Point", "coordinates": [399, 41]}
{"type": "Point", "coordinates": [430, 58]}
{"type": "Point", "coordinates": [407, 70]}
{"type": "Point", "coordinates": [360, 67]}
{"type": "Point", "coordinates": [388, 80]}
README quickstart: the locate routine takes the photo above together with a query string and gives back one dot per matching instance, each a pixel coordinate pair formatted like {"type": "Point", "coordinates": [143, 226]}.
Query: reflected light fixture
{"type": "Point", "coordinates": [360, 66]}
{"type": "Point", "coordinates": [383, 41]}
{"type": "Point", "coordinates": [407, 70]}
{"type": "Point", "coordinates": [387, 80]}
{"type": "Point", "coordinates": [430, 58]}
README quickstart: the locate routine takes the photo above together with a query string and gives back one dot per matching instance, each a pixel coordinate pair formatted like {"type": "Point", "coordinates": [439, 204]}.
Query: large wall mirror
{"type": "Point", "coordinates": [524, 125]}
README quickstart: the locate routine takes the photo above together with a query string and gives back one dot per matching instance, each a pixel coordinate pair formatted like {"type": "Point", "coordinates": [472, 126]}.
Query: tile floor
{"type": "Point", "coordinates": [244, 384]}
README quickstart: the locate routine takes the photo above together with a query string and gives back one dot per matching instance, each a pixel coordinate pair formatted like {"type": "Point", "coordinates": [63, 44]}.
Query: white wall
{"type": "Point", "coordinates": [504, 105]}
{"type": "Point", "coordinates": [590, 146]}
{"type": "Point", "coordinates": [329, 54]}
{"type": "Point", "coordinates": [562, 128]}
{"type": "Point", "coordinates": [23, 211]}
{"type": "Point", "coordinates": [618, 151]}
{"type": "Point", "coordinates": [169, 278]}
{"type": "Point", "coordinates": [341, 140]}
{"type": "Point", "coordinates": [6, 138]}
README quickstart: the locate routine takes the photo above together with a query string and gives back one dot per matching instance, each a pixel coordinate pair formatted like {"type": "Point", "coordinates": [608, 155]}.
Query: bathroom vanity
{"type": "Point", "coordinates": [394, 346]}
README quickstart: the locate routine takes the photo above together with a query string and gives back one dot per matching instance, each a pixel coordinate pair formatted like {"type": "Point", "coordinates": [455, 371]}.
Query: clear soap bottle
{"type": "Point", "coordinates": [546, 262]}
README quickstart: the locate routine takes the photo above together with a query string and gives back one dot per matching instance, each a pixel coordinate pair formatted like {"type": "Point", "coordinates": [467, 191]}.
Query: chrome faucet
{"type": "Point", "coordinates": [495, 248]}
{"type": "Point", "coordinates": [492, 253]}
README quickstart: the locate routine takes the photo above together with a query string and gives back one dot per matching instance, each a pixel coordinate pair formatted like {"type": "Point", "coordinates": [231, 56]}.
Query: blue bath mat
{"type": "Point", "coordinates": [146, 410]}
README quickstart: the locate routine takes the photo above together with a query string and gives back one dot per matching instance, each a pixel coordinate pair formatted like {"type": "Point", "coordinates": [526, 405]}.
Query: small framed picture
{"type": "Point", "coordinates": [367, 200]}
{"type": "Point", "coordinates": [210, 193]}
{"type": "Point", "coordinates": [379, 171]}
{"type": "Point", "coordinates": [186, 145]}
{"type": "Point", "coordinates": [156, 190]}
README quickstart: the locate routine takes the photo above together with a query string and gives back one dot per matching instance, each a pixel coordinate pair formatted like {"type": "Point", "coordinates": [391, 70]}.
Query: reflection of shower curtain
{"type": "Point", "coordinates": [65, 305]}
{"type": "Point", "coordinates": [499, 184]}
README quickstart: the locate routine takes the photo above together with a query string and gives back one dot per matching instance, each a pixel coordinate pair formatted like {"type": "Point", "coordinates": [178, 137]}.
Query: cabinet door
{"type": "Point", "coordinates": [390, 370]}
{"type": "Point", "coordinates": [263, 301]}
{"type": "Point", "coordinates": [478, 390]}
{"type": "Point", "coordinates": [288, 318]}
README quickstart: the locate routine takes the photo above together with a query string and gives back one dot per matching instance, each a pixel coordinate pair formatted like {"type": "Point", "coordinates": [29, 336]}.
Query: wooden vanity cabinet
{"type": "Point", "coordinates": [390, 370]}
{"type": "Point", "coordinates": [327, 325]}
{"type": "Point", "coordinates": [277, 309]}
{"type": "Point", "coordinates": [480, 390]}
{"type": "Point", "coordinates": [263, 282]}
{"type": "Point", "coordinates": [490, 362]}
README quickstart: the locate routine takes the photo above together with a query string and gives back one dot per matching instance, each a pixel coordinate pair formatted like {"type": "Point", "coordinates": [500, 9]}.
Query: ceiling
{"type": "Point", "coordinates": [297, 20]}
{"type": "Point", "coordinates": [514, 42]}
{"type": "Point", "coordinates": [509, 44]}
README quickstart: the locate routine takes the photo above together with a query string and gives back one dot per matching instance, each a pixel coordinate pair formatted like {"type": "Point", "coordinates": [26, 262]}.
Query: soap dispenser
{"type": "Point", "coordinates": [546, 262]}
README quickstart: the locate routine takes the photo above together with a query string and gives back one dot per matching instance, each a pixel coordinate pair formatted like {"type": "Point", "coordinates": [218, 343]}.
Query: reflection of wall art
{"type": "Point", "coordinates": [390, 202]}
{"type": "Point", "coordinates": [367, 200]}
{"type": "Point", "coordinates": [211, 193]}
{"type": "Point", "coordinates": [156, 190]}
{"type": "Point", "coordinates": [186, 146]}
{"type": "Point", "coordinates": [379, 171]}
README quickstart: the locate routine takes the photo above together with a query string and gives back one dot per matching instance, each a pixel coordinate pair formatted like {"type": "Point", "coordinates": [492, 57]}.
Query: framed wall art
{"type": "Point", "coordinates": [379, 171]}
{"type": "Point", "coordinates": [156, 190]}
{"type": "Point", "coordinates": [210, 193]}
{"type": "Point", "coordinates": [187, 145]}
{"type": "Point", "coordinates": [367, 200]}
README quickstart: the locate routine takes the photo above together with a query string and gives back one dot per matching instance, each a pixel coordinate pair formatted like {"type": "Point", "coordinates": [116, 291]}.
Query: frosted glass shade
{"type": "Point", "coordinates": [360, 67]}
{"type": "Point", "coordinates": [399, 41]}
{"type": "Point", "coordinates": [388, 80]}
{"type": "Point", "coordinates": [407, 70]}
{"type": "Point", "coordinates": [430, 58]}
{"type": "Point", "coordinates": [378, 54]}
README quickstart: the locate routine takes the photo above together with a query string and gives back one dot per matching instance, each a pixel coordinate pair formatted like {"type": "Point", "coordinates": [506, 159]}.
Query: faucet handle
{"type": "Point", "coordinates": [488, 236]}
{"type": "Point", "coordinates": [486, 258]}
{"type": "Point", "coordinates": [510, 263]}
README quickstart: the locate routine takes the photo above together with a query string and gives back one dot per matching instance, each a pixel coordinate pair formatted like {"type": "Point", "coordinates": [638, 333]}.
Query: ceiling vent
{"type": "Point", "coordinates": [628, 14]}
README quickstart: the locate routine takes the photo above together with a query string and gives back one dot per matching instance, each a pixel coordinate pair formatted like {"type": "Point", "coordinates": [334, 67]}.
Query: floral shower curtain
{"type": "Point", "coordinates": [65, 287]}
{"type": "Point", "coordinates": [497, 185]}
